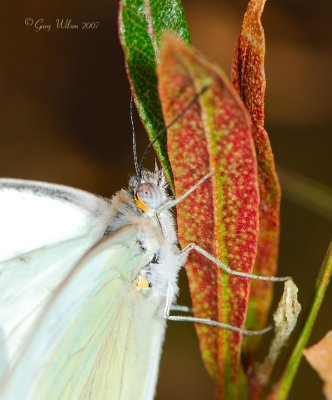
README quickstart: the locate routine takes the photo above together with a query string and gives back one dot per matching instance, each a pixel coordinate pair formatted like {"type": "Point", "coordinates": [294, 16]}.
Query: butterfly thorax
{"type": "Point", "coordinates": [157, 239]}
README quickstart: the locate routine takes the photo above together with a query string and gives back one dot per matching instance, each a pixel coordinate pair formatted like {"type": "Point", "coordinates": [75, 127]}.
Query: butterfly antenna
{"type": "Point", "coordinates": [163, 130]}
{"type": "Point", "coordinates": [134, 137]}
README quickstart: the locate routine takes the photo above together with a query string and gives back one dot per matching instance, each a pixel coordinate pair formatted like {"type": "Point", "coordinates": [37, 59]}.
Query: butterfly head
{"type": "Point", "coordinates": [150, 191]}
{"type": "Point", "coordinates": [148, 196]}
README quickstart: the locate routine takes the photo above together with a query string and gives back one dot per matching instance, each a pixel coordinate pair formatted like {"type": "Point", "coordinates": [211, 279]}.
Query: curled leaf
{"type": "Point", "coordinates": [248, 78]}
{"type": "Point", "coordinates": [319, 357]}
{"type": "Point", "coordinates": [285, 319]}
{"type": "Point", "coordinates": [288, 310]}
{"type": "Point", "coordinates": [222, 215]}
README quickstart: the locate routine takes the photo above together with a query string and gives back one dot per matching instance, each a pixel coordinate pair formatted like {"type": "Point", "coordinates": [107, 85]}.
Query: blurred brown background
{"type": "Point", "coordinates": [65, 98]}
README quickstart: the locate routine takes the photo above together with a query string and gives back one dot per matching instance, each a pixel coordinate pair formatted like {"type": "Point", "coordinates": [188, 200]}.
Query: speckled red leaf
{"type": "Point", "coordinates": [222, 215]}
{"type": "Point", "coordinates": [249, 79]}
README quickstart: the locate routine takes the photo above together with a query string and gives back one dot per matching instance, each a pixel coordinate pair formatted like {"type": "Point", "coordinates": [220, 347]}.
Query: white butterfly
{"type": "Point", "coordinates": [91, 326]}
{"type": "Point", "coordinates": [86, 285]}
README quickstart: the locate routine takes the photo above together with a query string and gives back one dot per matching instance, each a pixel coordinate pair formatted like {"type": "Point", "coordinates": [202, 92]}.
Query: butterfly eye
{"type": "Point", "coordinates": [148, 196]}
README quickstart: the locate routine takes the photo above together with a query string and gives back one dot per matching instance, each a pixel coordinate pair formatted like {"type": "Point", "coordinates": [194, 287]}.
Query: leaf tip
{"type": "Point", "coordinates": [288, 310]}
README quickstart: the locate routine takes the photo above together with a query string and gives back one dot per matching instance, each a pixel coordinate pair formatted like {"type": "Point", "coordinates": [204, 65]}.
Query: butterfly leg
{"type": "Point", "coordinates": [185, 309]}
{"type": "Point", "coordinates": [171, 203]}
{"type": "Point", "coordinates": [193, 246]}
{"type": "Point", "coordinates": [204, 321]}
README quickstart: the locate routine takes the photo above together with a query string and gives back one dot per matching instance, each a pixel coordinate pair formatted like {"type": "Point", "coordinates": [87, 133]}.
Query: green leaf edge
{"type": "Point", "coordinates": [156, 10]}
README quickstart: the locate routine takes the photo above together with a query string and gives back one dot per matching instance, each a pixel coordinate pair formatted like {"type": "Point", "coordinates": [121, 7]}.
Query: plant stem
{"type": "Point", "coordinates": [281, 390]}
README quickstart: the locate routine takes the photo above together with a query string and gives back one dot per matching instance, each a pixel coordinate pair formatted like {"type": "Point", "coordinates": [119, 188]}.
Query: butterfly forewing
{"type": "Point", "coordinates": [44, 230]}
{"type": "Point", "coordinates": [35, 214]}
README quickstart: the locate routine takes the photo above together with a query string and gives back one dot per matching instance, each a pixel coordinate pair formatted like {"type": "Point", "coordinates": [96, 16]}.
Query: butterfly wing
{"type": "Point", "coordinates": [44, 231]}
{"type": "Point", "coordinates": [99, 338]}
{"type": "Point", "coordinates": [35, 214]}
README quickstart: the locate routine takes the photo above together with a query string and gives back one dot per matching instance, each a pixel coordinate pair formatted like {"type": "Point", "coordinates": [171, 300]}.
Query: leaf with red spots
{"type": "Point", "coordinates": [222, 215]}
{"type": "Point", "coordinates": [249, 79]}
{"type": "Point", "coordinates": [141, 25]}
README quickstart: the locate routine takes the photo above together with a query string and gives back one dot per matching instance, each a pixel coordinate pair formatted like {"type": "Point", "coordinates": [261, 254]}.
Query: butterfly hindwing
{"type": "Point", "coordinates": [99, 338]}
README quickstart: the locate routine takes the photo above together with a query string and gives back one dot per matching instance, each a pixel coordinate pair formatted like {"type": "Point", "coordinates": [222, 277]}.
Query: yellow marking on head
{"type": "Point", "coordinates": [141, 205]}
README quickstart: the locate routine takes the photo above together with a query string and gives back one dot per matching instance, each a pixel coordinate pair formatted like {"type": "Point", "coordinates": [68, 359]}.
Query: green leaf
{"type": "Point", "coordinates": [141, 25]}
{"type": "Point", "coordinates": [281, 390]}
{"type": "Point", "coordinates": [222, 215]}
